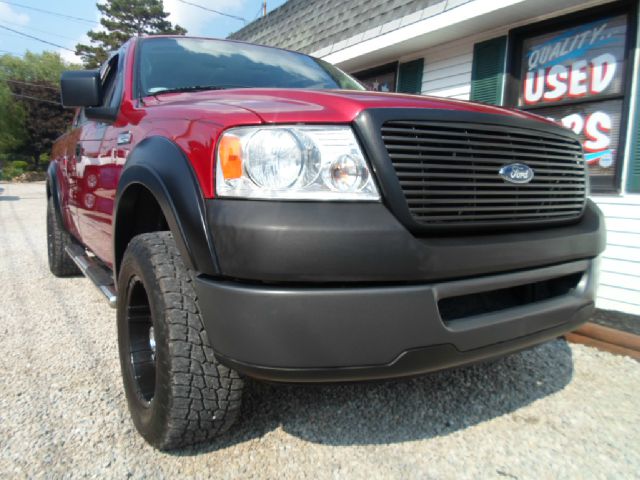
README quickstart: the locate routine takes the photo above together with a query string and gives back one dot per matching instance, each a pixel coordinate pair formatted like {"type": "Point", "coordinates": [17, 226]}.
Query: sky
{"type": "Point", "coordinates": [67, 32]}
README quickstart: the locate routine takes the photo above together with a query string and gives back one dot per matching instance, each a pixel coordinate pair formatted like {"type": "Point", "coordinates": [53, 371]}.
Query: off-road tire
{"type": "Point", "coordinates": [58, 238]}
{"type": "Point", "coordinates": [193, 397]}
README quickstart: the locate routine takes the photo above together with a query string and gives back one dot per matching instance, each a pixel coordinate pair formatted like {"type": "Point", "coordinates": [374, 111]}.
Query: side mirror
{"type": "Point", "coordinates": [102, 114]}
{"type": "Point", "coordinates": [81, 88]}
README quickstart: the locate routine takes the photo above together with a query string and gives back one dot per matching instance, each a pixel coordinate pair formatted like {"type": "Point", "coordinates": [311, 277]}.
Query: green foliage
{"type": "Point", "coordinates": [28, 126]}
{"type": "Point", "coordinates": [34, 67]}
{"type": "Point", "coordinates": [123, 19]}
{"type": "Point", "coordinates": [9, 173]}
{"type": "Point", "coordinates": [21, 164]}
{"type": "Point", "coordinates": [11, 119]}
{"type": "Point", "coordinates": [14, 169]}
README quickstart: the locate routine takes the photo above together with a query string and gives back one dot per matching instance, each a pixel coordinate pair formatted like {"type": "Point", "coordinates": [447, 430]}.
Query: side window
{"type": "Point", "coordinates": [109, 81]}
{"type": "Point", "coordinates": [111, 74]}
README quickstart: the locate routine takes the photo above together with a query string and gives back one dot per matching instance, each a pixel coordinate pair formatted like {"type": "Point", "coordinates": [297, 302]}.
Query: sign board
{"type": "Point", "coordinates": [576, 76]}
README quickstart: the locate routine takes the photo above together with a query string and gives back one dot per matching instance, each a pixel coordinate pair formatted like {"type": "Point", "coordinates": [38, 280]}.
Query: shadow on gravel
{"type": "Point", "coordinates": [403, 410]}
{"type": "Point", "coordinates": [9, 198]}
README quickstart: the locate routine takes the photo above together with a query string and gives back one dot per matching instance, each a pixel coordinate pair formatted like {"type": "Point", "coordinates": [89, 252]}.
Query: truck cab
{"type": "Point", "coordinates": [254, 212]}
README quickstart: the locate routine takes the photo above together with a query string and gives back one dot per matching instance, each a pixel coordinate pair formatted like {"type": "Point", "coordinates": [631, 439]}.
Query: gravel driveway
{"type": "Point", "coordinates": [559, 410]}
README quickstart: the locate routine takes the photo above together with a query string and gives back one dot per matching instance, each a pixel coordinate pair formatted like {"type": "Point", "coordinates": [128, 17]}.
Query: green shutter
{"type": "Point", "coordinates": [410, 76]}
{"type": "Point", "coordinates": [633, 173]}
{"type": "Point", "coordinates": [487, 72]}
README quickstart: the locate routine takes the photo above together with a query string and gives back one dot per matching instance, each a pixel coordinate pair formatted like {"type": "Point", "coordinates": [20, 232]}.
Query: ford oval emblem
{"type": "Point", "coordinates": [516, 173]}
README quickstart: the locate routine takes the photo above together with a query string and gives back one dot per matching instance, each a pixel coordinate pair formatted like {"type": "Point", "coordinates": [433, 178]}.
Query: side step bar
{"type": "Point", "coordinates": [98, 274]}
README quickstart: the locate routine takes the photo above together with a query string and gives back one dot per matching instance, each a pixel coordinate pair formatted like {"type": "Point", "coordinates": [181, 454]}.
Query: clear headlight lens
{"type": "Point", "coordinates": [302, 162]}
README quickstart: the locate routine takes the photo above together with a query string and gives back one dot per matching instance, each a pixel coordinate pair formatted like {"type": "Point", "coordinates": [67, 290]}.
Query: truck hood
{"type": "Point", "coordinates": [321, 106]}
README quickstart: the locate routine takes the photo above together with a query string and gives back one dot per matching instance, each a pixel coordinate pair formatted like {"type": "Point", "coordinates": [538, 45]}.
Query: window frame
{"type": "Point", "coordinates": [377, 70]}
{"type": "Point", "coordinates": [513, 81]}
{"type": "Point", "coordinates": [109, 84]}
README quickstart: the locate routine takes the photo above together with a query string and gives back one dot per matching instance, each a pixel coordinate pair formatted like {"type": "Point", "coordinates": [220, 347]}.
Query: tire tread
{"type": "Point", "coordinates": [60, 264]}
{"type": "Point", "coordinates": [202, 406]}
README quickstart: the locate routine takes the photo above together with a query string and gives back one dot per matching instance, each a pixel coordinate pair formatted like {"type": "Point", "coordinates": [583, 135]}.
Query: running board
{"type": "Point", "coordinates": [90, 268]}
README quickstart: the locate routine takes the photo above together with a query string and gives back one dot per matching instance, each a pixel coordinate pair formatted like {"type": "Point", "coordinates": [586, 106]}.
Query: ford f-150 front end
{"type": "Point", "coordinates": [254, 212]}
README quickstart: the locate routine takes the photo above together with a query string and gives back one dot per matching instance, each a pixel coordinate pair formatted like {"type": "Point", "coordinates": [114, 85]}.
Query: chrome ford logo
{"type": "Point", "coordinates": [516, 173]}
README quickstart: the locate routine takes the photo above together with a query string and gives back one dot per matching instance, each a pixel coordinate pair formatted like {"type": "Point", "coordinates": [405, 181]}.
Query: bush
{"type": "Point", "coordinates": [20, 164]}
{"type": "Point", "coordinates": [14, 168]}
{"type": "Point", "coordinates": [12, 165]}
{"type": "Point", "coordinates": [10, 172]}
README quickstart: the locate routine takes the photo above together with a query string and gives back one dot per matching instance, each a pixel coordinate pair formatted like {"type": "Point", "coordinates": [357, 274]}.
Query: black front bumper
{"type": "Point", "coordinates": [311, 334]}
{"type": "Point", "coordinates": [340, 292]}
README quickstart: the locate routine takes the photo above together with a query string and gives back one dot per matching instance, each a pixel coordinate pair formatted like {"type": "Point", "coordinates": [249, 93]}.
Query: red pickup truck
{"type": "Point", "coordinates": [252, 212]}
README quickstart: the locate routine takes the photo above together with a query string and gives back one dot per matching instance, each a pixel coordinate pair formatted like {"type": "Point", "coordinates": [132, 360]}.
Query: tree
{"type": "Point", "coordinates": [123, 19]}
{"type": "Point", "coordinates": [31, 116]}
{"type": "Point", "coordinates": [11, 120]}
{"type": "Point", "coordinates": [44, 118]}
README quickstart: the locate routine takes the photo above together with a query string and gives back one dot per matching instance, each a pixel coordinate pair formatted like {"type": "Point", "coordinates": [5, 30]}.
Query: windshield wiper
{"type": "Point", "coordinates": [193, 88]}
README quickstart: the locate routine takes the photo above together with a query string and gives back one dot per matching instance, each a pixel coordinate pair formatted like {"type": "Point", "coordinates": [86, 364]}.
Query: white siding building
{"type": "Point", "coordinates": [487, 50]}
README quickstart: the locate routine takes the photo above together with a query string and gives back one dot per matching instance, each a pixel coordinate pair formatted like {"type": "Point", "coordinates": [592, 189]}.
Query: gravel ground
{"type": "Point", "coordinates": [557, 411]}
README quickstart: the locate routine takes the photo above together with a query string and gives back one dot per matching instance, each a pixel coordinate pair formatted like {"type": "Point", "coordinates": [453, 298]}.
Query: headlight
{"type": "Point", "coordinates": [302, 162]}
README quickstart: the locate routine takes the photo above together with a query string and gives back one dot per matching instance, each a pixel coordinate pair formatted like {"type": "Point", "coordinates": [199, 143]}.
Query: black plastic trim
{"type": "Point", "coordinates": [368, 127]}
{"type": "Point", "coordinates": [298, 242]}
{"type": "Point", "coordinates": [332, 333]}
{"type": "Point", "coordinates": [54, 188]}
{"type": "Point", "coordinates": [411, 363]}
{"type": "Point", "coordinates": [160, 166]}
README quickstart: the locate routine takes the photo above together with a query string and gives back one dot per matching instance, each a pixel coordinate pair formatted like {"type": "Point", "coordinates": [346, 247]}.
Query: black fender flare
{"type": "Point", "coordinates": [162, 167]}
{"type": "Point", "coordinates": [53, 188]}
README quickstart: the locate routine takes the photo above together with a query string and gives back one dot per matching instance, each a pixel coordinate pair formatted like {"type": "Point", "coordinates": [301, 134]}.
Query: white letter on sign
{"type": "Point", "coordinates": [534, 86]}
{"type": "Point", "coordinates": [556, 82]}
{"type": "Point", "coordinates": [596, 130]}
{"type": "Point", "coordinates": [603, 69]}
{"type": "Point", "coordinates": [573, 122]}
{"type": "Point", "coordinates": [577, 79]}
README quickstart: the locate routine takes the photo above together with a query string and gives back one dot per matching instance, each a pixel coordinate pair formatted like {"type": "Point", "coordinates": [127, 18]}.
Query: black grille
{"type": "Point", "coordinates": [448, 172]}
{"type": "Point", "coordinates": [454, 308]}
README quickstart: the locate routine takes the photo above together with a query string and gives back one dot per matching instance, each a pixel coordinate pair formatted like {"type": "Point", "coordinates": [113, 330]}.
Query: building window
{"type": "Point", "coordinates": [379, 79]}
{"type": "Point", "coordinates": [576, 72]}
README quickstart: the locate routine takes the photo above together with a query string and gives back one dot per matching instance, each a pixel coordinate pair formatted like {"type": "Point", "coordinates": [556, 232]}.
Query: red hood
{"type": "Point", "coordinates": [327, 106]}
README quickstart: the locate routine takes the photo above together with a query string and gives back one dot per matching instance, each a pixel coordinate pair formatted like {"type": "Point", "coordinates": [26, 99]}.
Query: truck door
{"type": "Point", "coordinates": [99, 170]}
{"type": "Point", "coordinates": [87, 173]}
{"type": "Point", "coordinates": [69, 158]}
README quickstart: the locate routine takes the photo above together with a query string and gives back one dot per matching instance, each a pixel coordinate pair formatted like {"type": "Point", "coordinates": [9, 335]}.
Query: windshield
{"type": "Point", "coordinates": [174, 64]}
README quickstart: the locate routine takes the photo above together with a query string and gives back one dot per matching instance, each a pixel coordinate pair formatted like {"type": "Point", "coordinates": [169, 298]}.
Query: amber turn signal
{"type": "Point", "coordinates": [230, 154]}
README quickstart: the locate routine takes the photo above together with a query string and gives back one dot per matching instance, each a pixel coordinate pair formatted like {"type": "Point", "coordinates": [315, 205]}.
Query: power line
{"type": "Point", "coordinates": [36, 38]}
{"type": "Point", "coordinates": [213, 11]}
{"type": "Point", "coordinates": [35, 98]}
{"type": "Point", "coordinates": [37, 30]}
{"type": "Point", "coordinates": [30, 83]}
{"type": "Point", "coordinates": [49, 12]}
{"type": "Point", "coordinates": [257, 14]}
{"type": "Point", "coordinates": [9, 34]}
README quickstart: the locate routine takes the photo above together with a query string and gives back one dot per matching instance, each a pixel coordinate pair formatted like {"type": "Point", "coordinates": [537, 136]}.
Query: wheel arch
{"type": "Point", "coordinates": [52, 185]}
{"type": "Point", "coordinates": [158, 179]}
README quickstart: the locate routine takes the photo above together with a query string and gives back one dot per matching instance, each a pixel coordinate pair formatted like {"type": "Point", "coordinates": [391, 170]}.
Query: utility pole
{"type": "Point", "coordinates": [264, 8]}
